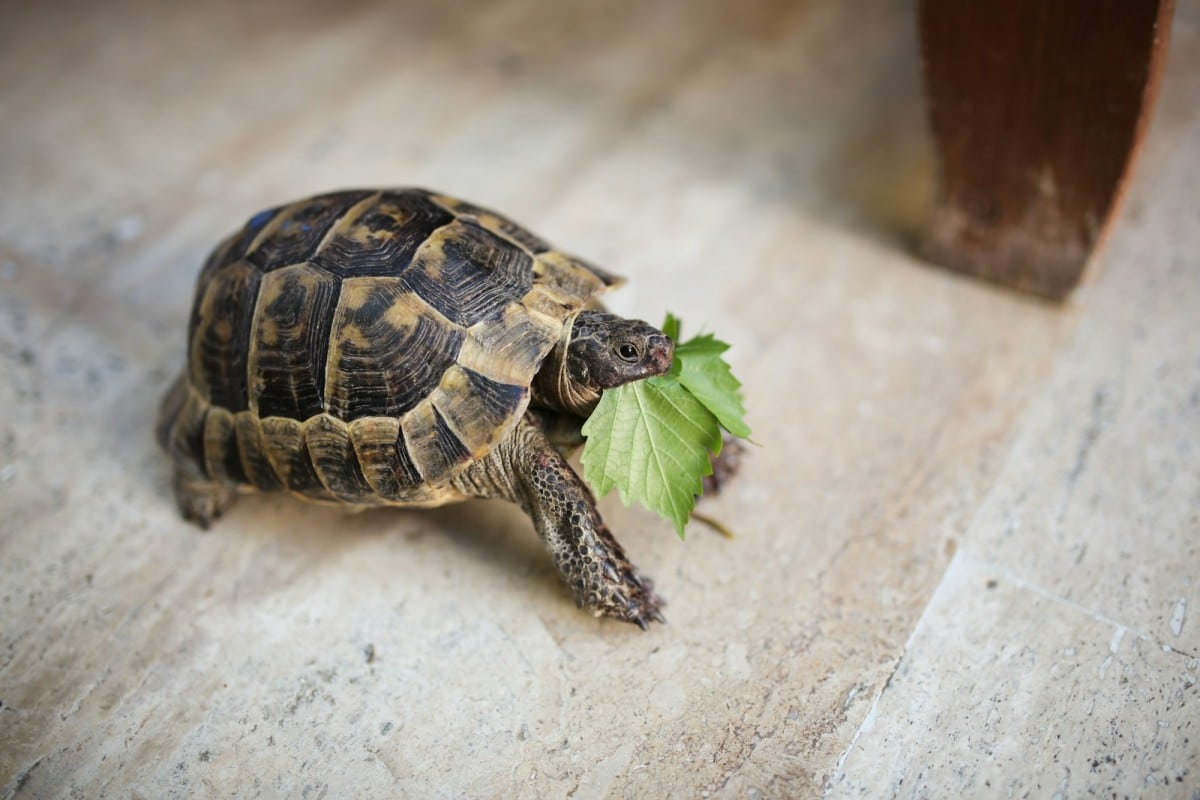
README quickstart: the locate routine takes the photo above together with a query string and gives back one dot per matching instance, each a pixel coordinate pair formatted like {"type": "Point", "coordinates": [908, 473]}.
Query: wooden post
{"type": "Point", "coordinates": [1037, 109]}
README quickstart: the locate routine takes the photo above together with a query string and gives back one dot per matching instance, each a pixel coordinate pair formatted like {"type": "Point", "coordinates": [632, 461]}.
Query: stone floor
{"type": "Point", "coordinates": [968, 552]}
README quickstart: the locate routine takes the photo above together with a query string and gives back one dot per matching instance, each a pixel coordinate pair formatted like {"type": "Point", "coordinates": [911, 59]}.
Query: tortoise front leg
{"type": "Point", "coordinates": [526, 469]}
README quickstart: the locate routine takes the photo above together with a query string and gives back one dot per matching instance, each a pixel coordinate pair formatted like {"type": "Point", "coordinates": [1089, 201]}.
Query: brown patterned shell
{"type": "Point", "coordinates": [364, 346]}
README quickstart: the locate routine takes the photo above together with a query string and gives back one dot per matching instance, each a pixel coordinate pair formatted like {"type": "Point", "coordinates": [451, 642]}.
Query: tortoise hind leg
{"type": "Point", "coordinates": [526, 469]}
{"type": "Point", "coordinates": [180, 431]}
{"type": "Point", "coordinates": [201, 499]}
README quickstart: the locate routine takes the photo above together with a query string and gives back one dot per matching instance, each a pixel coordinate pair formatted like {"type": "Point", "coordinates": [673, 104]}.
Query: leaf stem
{"type": "Point", "coordinates": [713, 523]}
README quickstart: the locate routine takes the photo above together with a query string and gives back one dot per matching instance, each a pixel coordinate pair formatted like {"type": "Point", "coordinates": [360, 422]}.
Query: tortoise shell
{"type": "Point", "coordinates": [365, 346]}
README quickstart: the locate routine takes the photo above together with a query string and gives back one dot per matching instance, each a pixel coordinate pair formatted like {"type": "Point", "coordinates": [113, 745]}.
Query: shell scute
{"type": "Point", "coordinates": [386, 464]}
{"type": "Point", "coordinates": [290, 342]}
{"type": "Point", "coordinates": [380, 235]}
{"type": "Point", "coordinates": [221, 456]}
{"type": "Point", "coordinates": [511, 347]}
{"type": "Point", "coordinates": [388, 349]}
{"type": "Point", "coordinates": [469, 274]}
{"type": "Point", "coordinates": [260, 472]}
{"type": "Point", "coordinates": [434, 447]}
{"type": "Point", "coordinates": [476, 408]}
{"type": "Point", "coordinates": [495, 223]}
{"type": "Point", "coordinates": [220, 335]}
{"type": "Point", "coordinates": [283, 442]}
{"type": "Point", "coordinates": [332, 454]}
{"type": "Point", "coordinates": [292, 235]}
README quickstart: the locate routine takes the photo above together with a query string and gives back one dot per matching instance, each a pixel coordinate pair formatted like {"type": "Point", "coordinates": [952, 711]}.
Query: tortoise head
{"type": "Point", "coordinates": [600, 351]}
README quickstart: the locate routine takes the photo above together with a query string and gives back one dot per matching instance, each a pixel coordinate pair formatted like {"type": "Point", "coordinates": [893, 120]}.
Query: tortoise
{"type": "Point", "coordinates": [399, 347]}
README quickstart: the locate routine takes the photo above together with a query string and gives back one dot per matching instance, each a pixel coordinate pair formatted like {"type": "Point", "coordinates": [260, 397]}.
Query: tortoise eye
{"type": "Point", "coordinates": [627, 352]}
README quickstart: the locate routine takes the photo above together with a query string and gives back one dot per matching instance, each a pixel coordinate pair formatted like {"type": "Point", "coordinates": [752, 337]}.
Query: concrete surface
{"type": "Point", "coordinates": [968, 545]}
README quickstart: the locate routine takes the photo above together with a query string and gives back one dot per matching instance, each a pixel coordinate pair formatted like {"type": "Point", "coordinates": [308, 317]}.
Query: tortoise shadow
{"type": "Point", "coordinates": [492, 535]}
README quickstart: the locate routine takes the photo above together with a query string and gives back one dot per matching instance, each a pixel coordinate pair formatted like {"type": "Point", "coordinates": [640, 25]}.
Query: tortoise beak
{"type": "Point", "coordinates": [662, 353]}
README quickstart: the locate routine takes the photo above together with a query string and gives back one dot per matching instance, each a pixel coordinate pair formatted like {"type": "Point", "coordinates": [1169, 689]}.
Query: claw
{"type": "Point", "coordinates": [642, 609]}
{"type": "Point", "coordinates": [611, 573]}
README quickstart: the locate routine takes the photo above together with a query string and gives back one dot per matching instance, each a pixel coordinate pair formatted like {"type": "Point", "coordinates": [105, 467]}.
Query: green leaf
{"type": "Point", "coordinates": [672, 326]}
{"type": "Point", "coordinates": [651, 440]}
{"type": "Point", "coordinates": [707, 376]}
{"type": "Point", "coordinates": [654, 439]}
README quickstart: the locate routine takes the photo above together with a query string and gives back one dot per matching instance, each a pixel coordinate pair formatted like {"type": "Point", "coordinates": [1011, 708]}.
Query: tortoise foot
{"type": "Point", "coordinates": [611, 587]}
{"type": "Point", "coordinates": [635, 602]}
{"type": "Point", "coordinates": [725, 466]}
{"type": "Point", "coordinates": [201, 500]}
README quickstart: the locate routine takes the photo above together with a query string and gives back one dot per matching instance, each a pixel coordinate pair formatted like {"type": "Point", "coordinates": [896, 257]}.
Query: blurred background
{"type": "Point", "coordinates": [967, 541]}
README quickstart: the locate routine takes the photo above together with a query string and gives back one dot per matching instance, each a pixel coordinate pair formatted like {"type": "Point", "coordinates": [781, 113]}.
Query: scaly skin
{"type": "Point", "coordinates": [201, 500]}
{"type": "Point", "coordinates": [526, 469]}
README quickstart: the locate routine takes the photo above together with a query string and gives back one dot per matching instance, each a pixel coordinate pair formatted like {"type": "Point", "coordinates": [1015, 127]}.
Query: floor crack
{"type": "Point", "coordinates": [1090, 435]}
{"type": "Point", "coordinates": [869, 720]}
{"type": "Point", "coordinates": [20, 778]}
{"type": "Point", "coordinates": [1098, 616]}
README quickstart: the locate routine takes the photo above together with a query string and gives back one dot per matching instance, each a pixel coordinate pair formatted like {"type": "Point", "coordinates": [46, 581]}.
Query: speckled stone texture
{"type": "Point", "coordinates": [967, 543]}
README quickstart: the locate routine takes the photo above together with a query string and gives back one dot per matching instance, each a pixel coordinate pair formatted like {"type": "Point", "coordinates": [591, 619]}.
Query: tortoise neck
{"type": "Point", "coordinates": [562, 383]}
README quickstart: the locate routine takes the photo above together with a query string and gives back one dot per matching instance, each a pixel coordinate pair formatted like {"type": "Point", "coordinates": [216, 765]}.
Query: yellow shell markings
{"type": "Point", "coordinates": [348, 222]}
{"type": "Point", "coordinates": [551, 306]}
{"type": "Point", "coordinates": [352, 334]}
{"type": "Point", "coordinates": [398, 212]}
{"type": "Point", "coordinates": [404, 313]}
{"type": "Point", "coordinates": [170, 411]}
{"type": "Point", "coordinates": [509, 349]}
{"type": "Point", "coordinates": [214, 330]}
{"type": "Point", "coordinates": [374, 439]}
{"type": "Point", "coordinates": [430, 256]}
{"type": "Point", "coordinates": [219, 439]}
{"type": "Point", "coordinates": [570, 277]}
{"type": "Point", "coordinates": [333, 458]}
{"type": "Point", "coordinates": [266, 331]}
{"type": "Point", "coordinates": [281, 318]}
{"type": "Point", "coordinates": [305, 277]}
{"type": "Point", "coordinates": [477, 420]}
{"type": "Point", "coordinates": [568, 274]}
{"type": "Point", "coordinates": [255, 461]}
{"type": "Point", "coordinates": [353, 231]}
{"type": "Point", "coordinates": [425, 447]}
{"type": "Point", "coordinates": [492, 222]}
{"type": "Point", "coordinates": [362, 235]}
{"type": "Point", "coordinates": [480, 216]}
{"type": "Point", "coordinates": [284, 446]}
{"type": "Point", "coordinates": [268, 230]}
{"type": "Point", "coordinates": [280, 438]}
{"type": "Point", "coordinates": [410, 307]}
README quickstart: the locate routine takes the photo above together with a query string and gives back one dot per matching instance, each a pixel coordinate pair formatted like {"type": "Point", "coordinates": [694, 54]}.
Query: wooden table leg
{"type": "Point", "coordinates": [1037, 109]}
